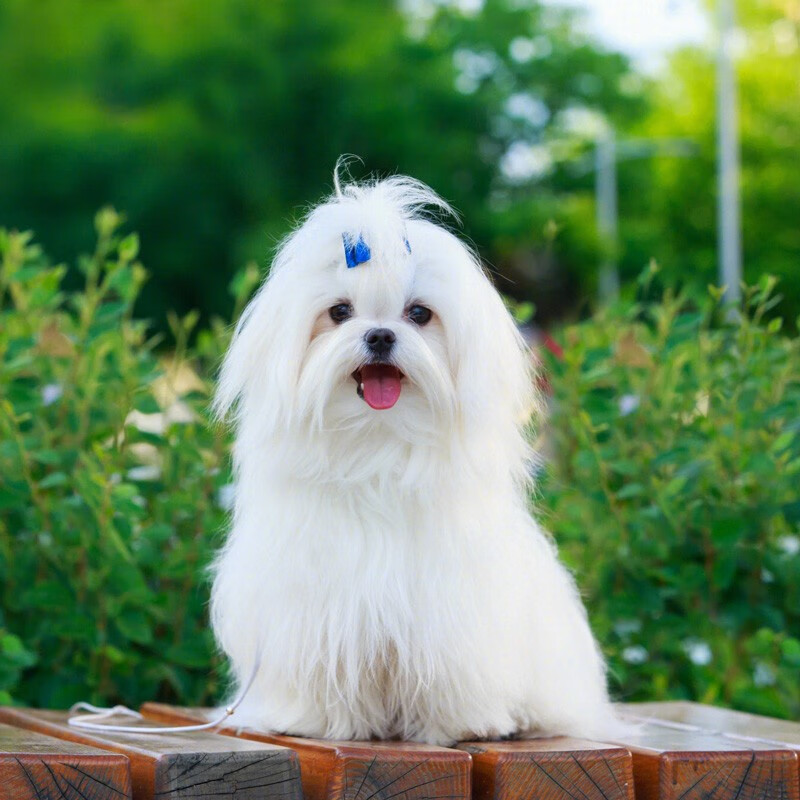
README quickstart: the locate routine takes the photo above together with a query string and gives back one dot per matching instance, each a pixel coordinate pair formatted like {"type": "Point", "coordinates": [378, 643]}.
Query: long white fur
{"type": "Point", "coordinates": [385, 562]}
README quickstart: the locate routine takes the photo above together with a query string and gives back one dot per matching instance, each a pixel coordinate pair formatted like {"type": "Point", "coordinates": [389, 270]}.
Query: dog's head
{"type": "Point", "coordinates": [375, 319]}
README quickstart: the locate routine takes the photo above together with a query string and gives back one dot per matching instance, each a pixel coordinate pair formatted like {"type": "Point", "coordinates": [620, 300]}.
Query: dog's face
{"type": "Point", "coordinates": [383, 345]}
{"type": "Point", "coordinates": [375, 319]}
{"type": "Point", "coordinates": [386, 335]}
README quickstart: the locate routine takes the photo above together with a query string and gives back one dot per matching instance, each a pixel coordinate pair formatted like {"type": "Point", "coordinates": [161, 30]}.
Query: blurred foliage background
{"type": "Point", "coordinates": [213, 125]}
{"type": "Point", "coordinates": [673, 443]}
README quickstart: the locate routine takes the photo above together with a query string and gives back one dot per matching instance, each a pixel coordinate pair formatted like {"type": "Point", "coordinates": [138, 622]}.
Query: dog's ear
{"type": "Point", "coordinates": [494, 373]}
{"type": "Point", "coordinates": [260, 370]}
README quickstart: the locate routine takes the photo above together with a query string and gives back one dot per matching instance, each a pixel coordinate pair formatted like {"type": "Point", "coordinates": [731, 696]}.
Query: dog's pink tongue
{"type": "Point", "coordinates": [381, 385]}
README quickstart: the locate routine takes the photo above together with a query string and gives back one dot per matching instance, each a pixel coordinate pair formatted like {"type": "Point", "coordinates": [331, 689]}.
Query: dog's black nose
{"type": "Point", "coordinates": [380, 341]}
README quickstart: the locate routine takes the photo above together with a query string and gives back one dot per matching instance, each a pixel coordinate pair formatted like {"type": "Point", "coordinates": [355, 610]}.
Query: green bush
{"type": "Point", "coordinates": [670, 485]}
{"type": "Point", "coordinates": [110, 481]}
{"type": "Point", "coordinates": [672, 490]}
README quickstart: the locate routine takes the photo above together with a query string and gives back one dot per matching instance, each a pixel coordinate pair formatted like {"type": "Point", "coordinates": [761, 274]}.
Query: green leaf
{"type": "Point", "coordinates": [630, 490]}
{"type": "Point", "coordinates": [724, 569]}
{"type": "Point", "coordinates": [48, 594]}
{"type": "Point", "coordinates": [134, 625]}
{"type": "Point", "coordinates": [783, 441]}
{"type": "Point", "coordinates": [49, 457]}
{"type": "Point", "coordinates": [191, 653]}
{"type": "Point", "coordinates": [146, 403]}
{"type": "Point", "coordinates": [129, 247]}
{"type": "Point", "coordinates": [625, 467]}
{"type": "Point", "coordinates": [106, 221]}
{"type": "Point", "coordinates": [54, 479]}
{"type": "Point", "coordinates": [15, 652]}
{"type": "Point", "coordinates": [675, 486]}
{"type": "Point", "coordinates": [727, 531]}
{"type": "Point", "coordinates": [790, 650]}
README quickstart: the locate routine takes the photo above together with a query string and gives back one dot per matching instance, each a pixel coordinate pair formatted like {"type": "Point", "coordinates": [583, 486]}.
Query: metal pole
{"type": "Point", "coordinates": [728, 204]}
{"type": "Point", "coordinates": [606, 210]}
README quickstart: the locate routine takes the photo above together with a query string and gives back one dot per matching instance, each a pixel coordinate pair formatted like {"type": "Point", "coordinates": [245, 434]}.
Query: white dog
{"type": "Point", "coordinates": [382, 557]}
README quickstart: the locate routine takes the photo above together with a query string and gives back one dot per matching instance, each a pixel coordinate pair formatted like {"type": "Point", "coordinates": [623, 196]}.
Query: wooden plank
{"type": "Point", "coordinates": [333, 770]}
{"type": "Point", "coordinates": [713, 718]}
{"type": "Point", "coordinates": [670, 763]}
{"type": "Point", "coordinates": [36, 767]}
{"type": "Point", "coordinates": [174, 766]}
{"type": "Point", "coordinates": [549, 769]}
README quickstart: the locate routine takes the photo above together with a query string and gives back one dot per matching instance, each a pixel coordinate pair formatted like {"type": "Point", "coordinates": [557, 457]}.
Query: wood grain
{"type": "Point", "coordinates": [550, 769]}
{"type": "Point", "coordinates": [675, 764]}
{"type": "Point", "coordinates": [37, 767]}
{"type": "Point", "coordinates": [178, 766]}
{"type": "Point", "coordinates": [333, 770]}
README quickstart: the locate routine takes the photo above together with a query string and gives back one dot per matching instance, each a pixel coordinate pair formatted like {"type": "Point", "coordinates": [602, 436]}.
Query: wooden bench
{"type": "Point", "coordinates": [675, 751]}
{"type": "Point", "coordinates": [686, 763]}
{"type": "Point", "coordinates": [357, 770]}
{"type": "Point", "coordinates": [173, 766]}
{"type": "Point", "coordinates": [36, 767]}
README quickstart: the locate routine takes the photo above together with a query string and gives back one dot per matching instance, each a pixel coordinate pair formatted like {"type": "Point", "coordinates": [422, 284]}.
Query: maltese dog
{"type": "Point", "coordinates": [383, 570]}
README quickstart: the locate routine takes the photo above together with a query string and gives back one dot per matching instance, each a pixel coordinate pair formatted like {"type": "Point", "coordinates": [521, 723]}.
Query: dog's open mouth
{"type": "Point", "coordinates": [378, 385]}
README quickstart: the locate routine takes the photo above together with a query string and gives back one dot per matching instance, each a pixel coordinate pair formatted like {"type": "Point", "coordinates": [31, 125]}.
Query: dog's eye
{"type": "Point", "coordinates": [341, 312]}
{"type": "Point", "coordinates": [419, 315]}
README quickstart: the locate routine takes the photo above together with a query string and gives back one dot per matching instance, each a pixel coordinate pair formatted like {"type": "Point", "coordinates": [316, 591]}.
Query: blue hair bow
{"type": "Point", "coordinates": [358, 252]}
